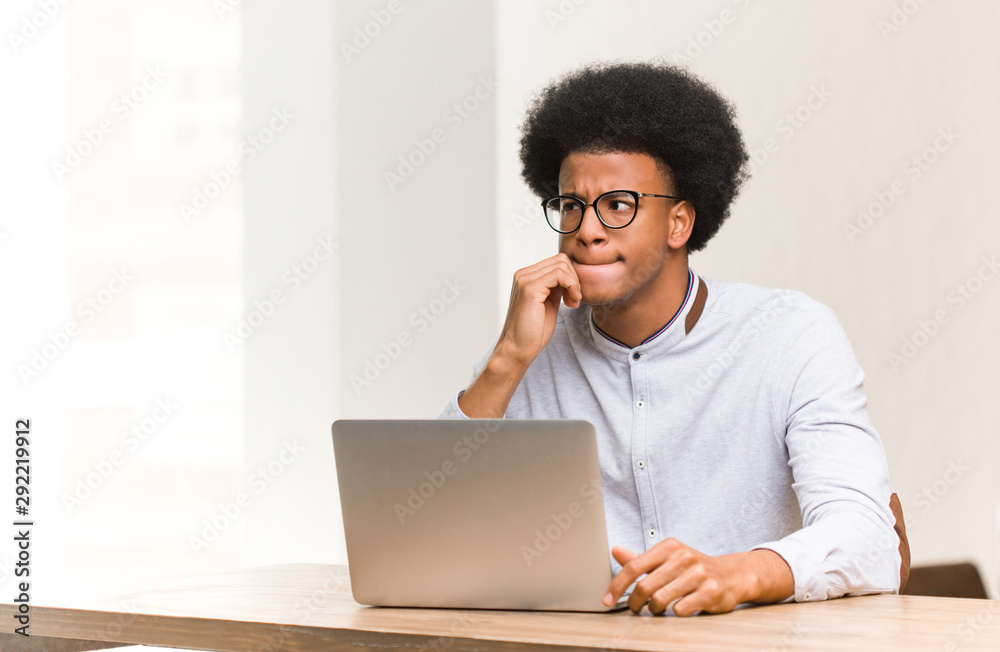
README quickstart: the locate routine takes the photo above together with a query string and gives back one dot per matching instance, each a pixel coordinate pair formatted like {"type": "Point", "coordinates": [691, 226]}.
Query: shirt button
{"type": "Point", "coordinates": [636, 355]}
{"type": "Point", "coordinates": [641, 404]}
{"type": "Point", "coordinates": [807, 595]}
{"type": "Point", "coordinates": [641, 464]}
{"type": "Point", "coordinates": [652, 532]}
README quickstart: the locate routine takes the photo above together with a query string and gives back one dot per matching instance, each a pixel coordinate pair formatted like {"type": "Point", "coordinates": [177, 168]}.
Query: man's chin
{"type": "Point", "coordinates": [605, 299]}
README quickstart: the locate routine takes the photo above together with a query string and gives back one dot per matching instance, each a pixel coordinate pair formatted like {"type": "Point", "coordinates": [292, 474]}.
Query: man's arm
{"type": "Point", "coordinates": [847, 545]}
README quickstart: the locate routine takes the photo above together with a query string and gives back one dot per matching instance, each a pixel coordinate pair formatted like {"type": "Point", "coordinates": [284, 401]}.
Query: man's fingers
{"type": "Point", "coordinates": [664, 593]}
{"type": "Point", "coordinates": [672, 579]}
{"type": "Point", "coordinates": [709, 597]}
{"type": "Point", "coordinates": [549, 278]}
{"type": "Point", "coordinates": [623, 556]}
{"type": "Point", "coordinates": [632, 568]}
{"type": "Point", "coordinates": [558, 260]}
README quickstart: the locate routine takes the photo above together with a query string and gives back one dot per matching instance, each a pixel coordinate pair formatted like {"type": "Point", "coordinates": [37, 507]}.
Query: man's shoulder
{"type": "Point", "coordinates": [732, 298]}
{"type": "Point", "coordinates": [787, 324]}
{"type": "Point", "coordinates": [781, 314]}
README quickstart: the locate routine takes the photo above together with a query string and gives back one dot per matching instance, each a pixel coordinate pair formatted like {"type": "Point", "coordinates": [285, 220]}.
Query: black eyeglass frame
{"type": "Point", "coordinates": [635, 196]}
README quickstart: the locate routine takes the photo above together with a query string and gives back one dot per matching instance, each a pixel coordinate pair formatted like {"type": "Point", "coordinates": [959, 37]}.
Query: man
{"type": "Point", "coordinates": [737, 459]}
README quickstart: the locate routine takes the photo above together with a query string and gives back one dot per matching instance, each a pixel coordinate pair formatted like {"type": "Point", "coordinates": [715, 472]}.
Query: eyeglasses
{"type": "Point", "coordinates": [615, 209]}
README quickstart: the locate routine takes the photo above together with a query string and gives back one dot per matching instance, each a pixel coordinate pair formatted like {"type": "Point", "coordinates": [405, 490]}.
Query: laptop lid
{"type": "Point", "coordinates": [490, 514]}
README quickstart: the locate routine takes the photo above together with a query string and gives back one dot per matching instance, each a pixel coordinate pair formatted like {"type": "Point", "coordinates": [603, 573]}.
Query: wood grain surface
{"type": "Point", "coordinates": [309, 607]}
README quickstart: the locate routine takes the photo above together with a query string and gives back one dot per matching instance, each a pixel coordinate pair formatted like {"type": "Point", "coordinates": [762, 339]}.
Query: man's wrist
{"type": "Point", "coordinates": [768, 579]}
{"type": "Point", "coordinates": [490, 392]}
{"type": "Point", "coordinates": [502, 363]}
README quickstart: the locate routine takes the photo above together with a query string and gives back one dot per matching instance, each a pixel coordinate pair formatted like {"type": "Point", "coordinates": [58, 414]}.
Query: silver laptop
{"type": "Point", "coordinates": [487, 514]}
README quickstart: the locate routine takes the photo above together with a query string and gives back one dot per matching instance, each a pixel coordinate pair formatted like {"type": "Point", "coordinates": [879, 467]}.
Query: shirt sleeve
{"type": "Point", "coordinates": [847, 544]}
{"type": "Point", "coordinates": [452, 410]}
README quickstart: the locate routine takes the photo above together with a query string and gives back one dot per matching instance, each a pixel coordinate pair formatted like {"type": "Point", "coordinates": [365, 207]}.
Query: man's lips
{"type": "Point", "coordinates": [599, 271]}
{"type": "Point", "coordinates": [596, 262]}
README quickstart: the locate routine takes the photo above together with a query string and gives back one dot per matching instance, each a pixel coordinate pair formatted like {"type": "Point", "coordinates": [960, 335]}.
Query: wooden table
{"type": "Point", "coordinates": [309, 607]}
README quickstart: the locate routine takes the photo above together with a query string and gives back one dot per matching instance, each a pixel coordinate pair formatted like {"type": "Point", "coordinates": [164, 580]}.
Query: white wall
{"type": "Point", "coordinates": [379, 330]}
{"type": "Point", "coordinates": [292, 246]}
{"type": "Point", "coordinates": [418, 266]}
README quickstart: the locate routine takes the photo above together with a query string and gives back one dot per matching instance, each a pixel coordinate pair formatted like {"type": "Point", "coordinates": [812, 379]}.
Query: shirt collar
{"type": "Point", "coordinates": [662, 340]}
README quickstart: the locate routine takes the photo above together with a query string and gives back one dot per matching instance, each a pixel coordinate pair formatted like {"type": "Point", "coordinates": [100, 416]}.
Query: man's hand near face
{"type": "Point", "coordinates": [680, 577]}
{"type": "Point", "coordinates": [534, 303]}
{"type": "Point", "coordinates": [531, 319]}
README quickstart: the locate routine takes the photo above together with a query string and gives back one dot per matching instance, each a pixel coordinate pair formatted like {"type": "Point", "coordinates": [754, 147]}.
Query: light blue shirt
{"type": "Point", "coordinates": [750, 431]}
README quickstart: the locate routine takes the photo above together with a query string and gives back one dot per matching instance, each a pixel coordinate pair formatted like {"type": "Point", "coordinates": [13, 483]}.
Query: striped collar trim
{"type": "Point", "coordinates": [680, 309]}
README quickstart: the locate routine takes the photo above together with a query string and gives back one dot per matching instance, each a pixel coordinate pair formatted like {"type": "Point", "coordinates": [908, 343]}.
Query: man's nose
{"type": "Point", "coordinates": [591, 227]}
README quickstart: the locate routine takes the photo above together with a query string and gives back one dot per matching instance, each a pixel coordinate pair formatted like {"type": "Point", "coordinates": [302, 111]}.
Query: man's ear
{"type": "Point", "coordinates": [681, 222]}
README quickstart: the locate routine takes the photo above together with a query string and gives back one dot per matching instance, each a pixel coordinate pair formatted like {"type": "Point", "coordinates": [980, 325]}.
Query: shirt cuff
{"type": "Point", "coordinates": [793, 554]}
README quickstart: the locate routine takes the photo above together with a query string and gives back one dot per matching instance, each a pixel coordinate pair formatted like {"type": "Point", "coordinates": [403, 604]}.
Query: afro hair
{"type": "Point", "coordinates": [648, 108]}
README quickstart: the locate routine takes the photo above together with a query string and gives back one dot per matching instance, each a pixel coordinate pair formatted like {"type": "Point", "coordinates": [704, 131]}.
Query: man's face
{"type": "Point", "coordinates": [618, 265]}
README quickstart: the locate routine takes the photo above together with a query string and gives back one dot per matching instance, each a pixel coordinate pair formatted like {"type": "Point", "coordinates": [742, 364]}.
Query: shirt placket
{"type": "Point", "coordinates": [640, 461]}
